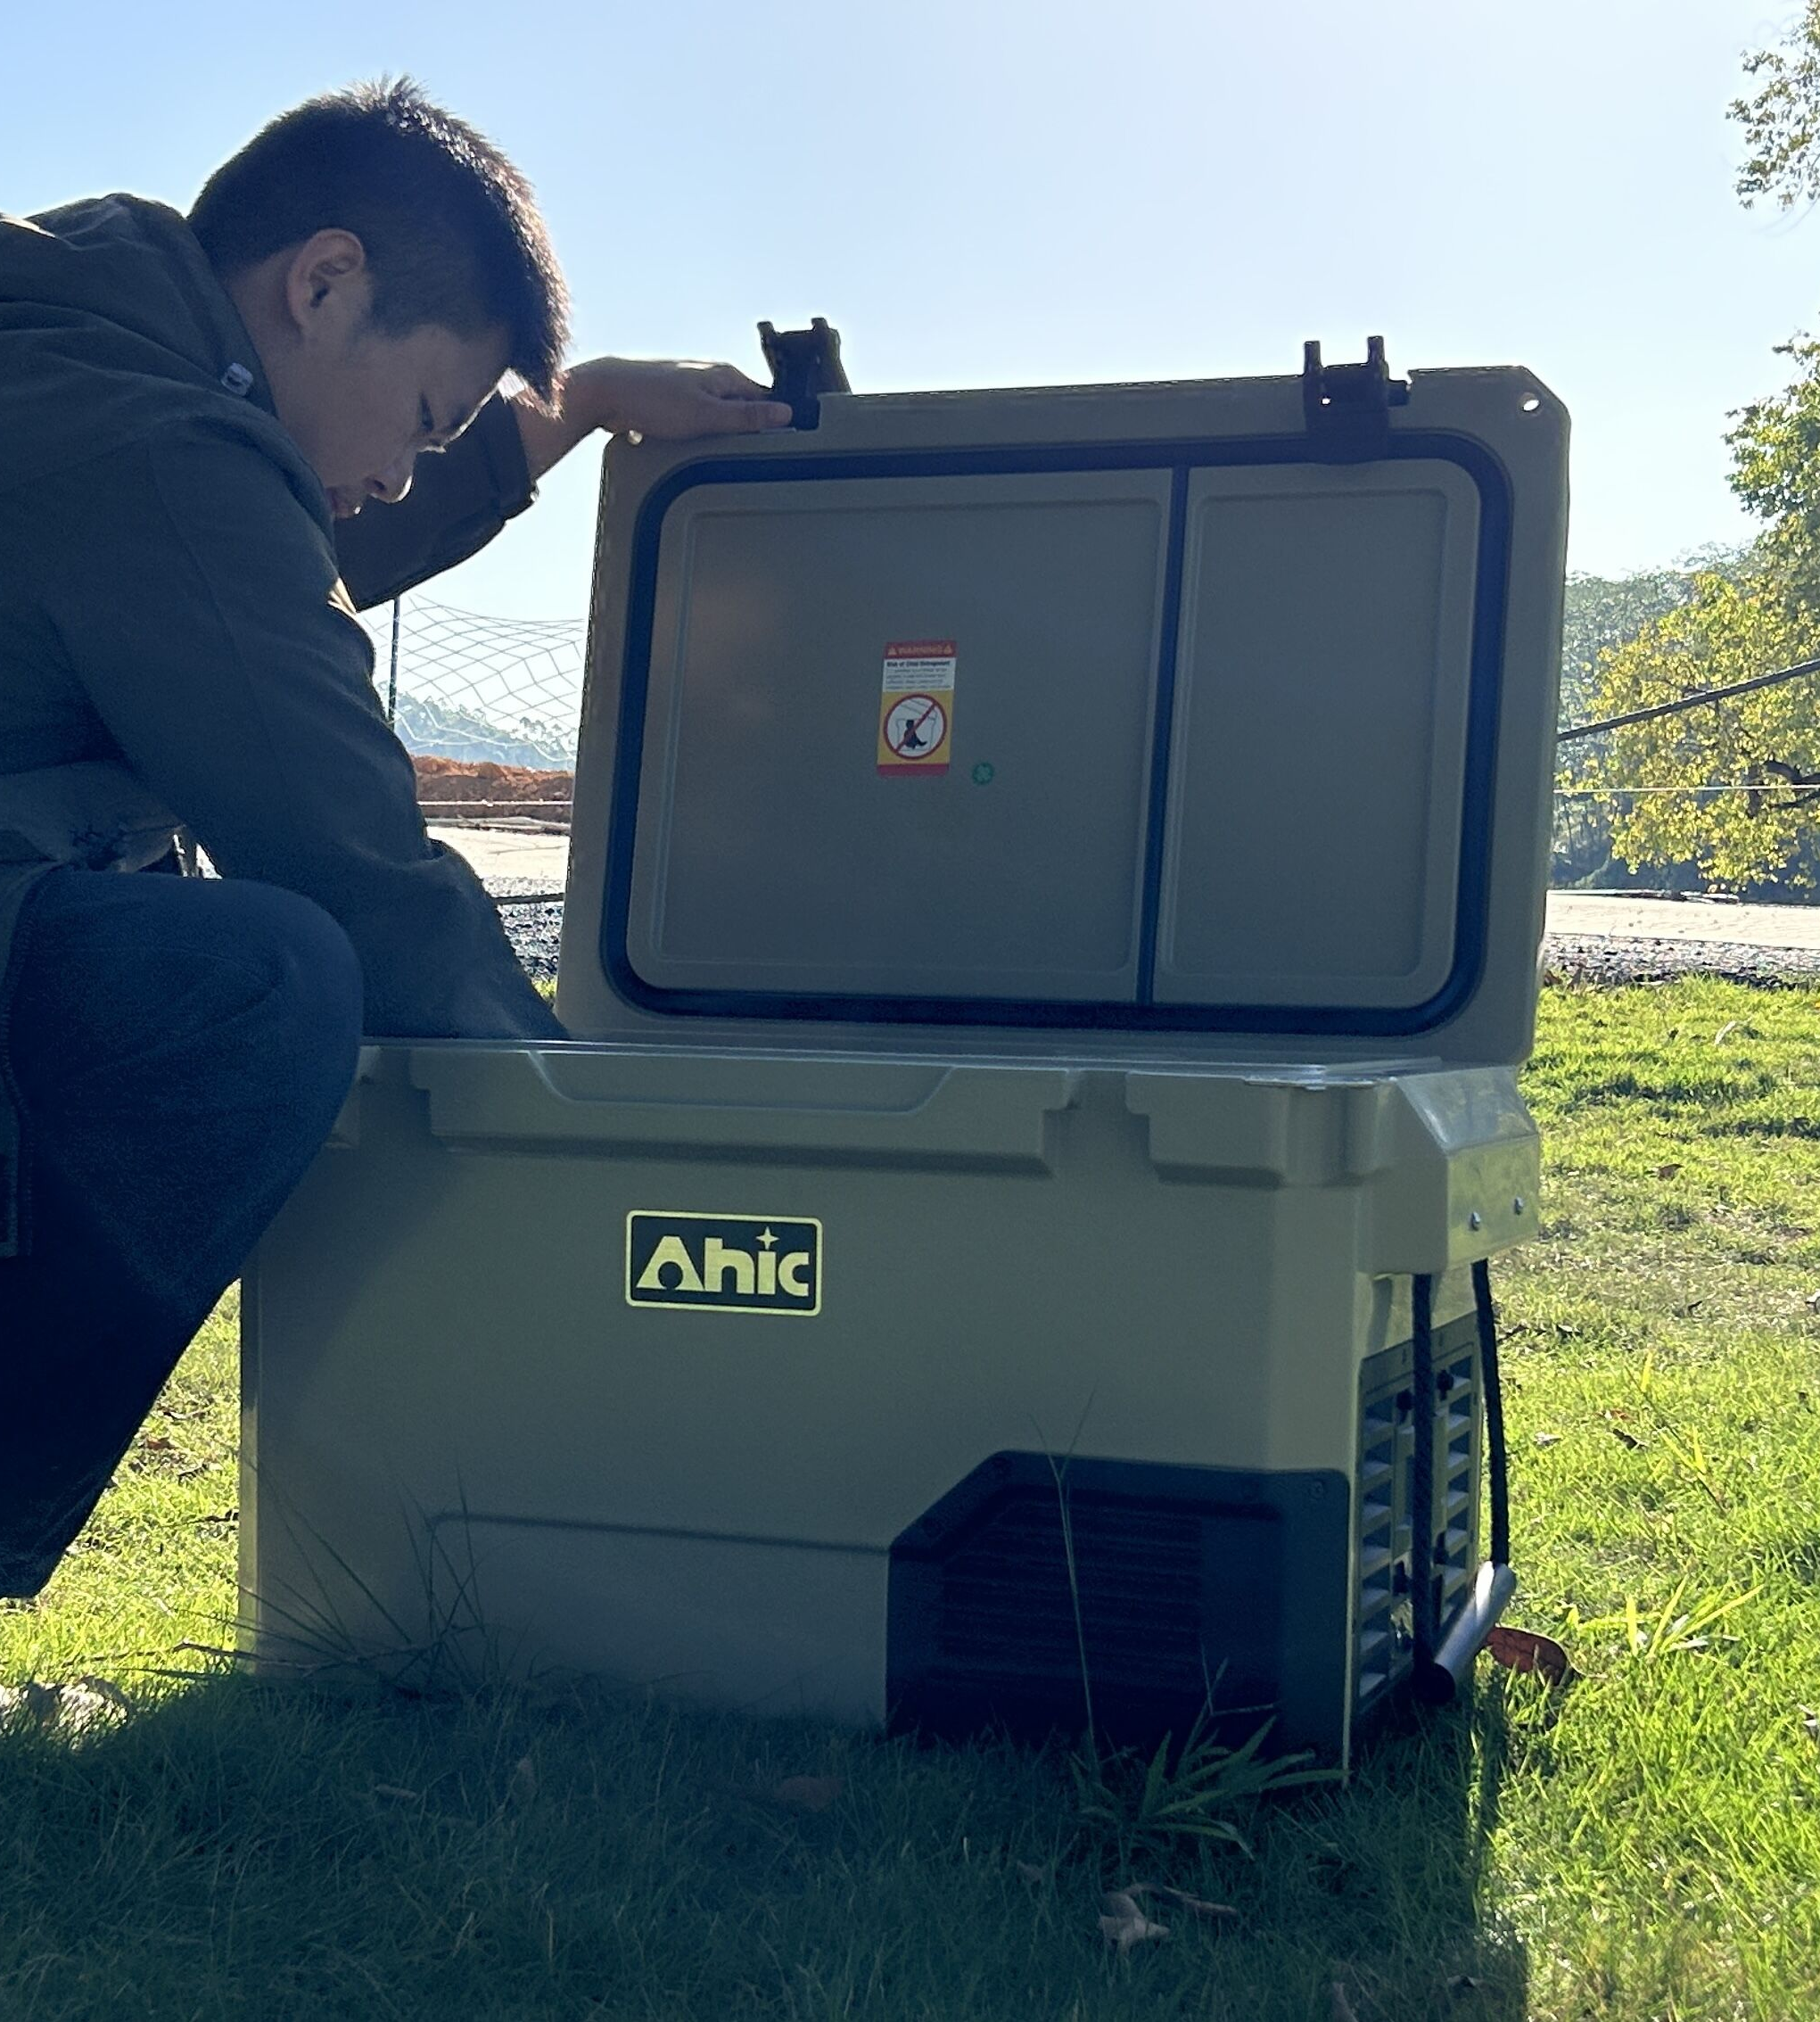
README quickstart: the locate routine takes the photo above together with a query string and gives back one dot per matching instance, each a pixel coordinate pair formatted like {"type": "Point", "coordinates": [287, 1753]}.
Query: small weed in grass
{"type": "Point", "coordinates": [1140, 1806]}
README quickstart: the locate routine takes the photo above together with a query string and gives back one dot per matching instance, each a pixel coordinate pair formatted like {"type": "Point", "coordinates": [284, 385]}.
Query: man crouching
{"type": "Point", "coordinates": [193, 413]}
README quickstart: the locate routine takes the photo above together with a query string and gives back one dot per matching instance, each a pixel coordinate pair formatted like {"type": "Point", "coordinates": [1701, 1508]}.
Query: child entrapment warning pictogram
{"type": "Point", "coordinates": [916, 711]}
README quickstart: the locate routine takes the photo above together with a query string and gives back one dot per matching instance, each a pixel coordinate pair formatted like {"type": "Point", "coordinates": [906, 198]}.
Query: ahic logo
{"type": "Point", "coordinates": [729, 1263]}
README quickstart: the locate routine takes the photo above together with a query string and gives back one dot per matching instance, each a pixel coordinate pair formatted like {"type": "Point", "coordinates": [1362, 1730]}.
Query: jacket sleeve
{"type": "Point", "coordinates": [458, 500]}
{"type": "Point", "coordinates": [197, 600]}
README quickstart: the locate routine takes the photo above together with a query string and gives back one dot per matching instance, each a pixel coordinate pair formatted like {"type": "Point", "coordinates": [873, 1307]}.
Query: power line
{"type": "Point", "coordinates": [1601, 793]}
{"type": "Point", "coordinates": [1695, 701]}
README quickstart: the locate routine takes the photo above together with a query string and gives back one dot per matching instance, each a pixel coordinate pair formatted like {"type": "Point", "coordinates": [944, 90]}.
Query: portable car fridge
{"type": "Point", "coordinates": [1053, 912]}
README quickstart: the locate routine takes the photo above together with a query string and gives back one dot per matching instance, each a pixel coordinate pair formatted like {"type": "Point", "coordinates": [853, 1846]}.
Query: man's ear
{"type": "Point", "coordinates": [327, 284]}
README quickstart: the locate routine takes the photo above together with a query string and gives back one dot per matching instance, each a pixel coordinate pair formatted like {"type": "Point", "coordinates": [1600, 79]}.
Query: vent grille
{"type": "Point", "coordinates": [1008, 1604]}
{"type": "Point", "coordinates": [1381, 1610]}
{"type": "Point", "coordinates": [1178, 1585]}
{"type": "Point", "coordinates": [1382, 1613]}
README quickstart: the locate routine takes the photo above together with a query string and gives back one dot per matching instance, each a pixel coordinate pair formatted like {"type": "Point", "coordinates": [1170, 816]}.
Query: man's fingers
{"type": "Point", "coordinates": [751, 418]}
{"type": "Point", "coordinates": [730, 380]}
{"type": "Point", "coordinates": [673, 400]}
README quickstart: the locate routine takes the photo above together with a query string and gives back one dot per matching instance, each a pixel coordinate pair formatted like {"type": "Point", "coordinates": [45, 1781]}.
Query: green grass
{"type": "Point", "coordinates": [1643, 1847]}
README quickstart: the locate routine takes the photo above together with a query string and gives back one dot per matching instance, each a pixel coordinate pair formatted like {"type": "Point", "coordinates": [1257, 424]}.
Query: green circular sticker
{"type": "Point", "coordinates": [983, 775]}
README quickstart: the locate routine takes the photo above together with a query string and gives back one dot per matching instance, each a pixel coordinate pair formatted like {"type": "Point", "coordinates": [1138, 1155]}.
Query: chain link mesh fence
{"type": "Point", "coordinates": [490, 709]}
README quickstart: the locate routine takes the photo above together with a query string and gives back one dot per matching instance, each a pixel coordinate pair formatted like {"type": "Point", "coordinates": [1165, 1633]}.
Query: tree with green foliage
{"type": "Point", "coordinates": [1601, 613]}
{"type": "Point", "coordinates": [1714, 782]}
{"type": "Point", "coordinates": [1721, 785]}
{"type": "Point", "coordinates": [1782, 120]}
{"type": "Point", "coordinates": [1604, 612]}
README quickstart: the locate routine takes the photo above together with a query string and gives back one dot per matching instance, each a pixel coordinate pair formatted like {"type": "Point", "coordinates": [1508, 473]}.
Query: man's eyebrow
{"type": "Point", "coordinates": [440, 433]}
{"type": "Point", "coordinates": [464, 419]}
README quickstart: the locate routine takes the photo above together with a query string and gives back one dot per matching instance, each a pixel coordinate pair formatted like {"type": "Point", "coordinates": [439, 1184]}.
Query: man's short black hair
{"type": "Point", "coordinates": [450, 226]}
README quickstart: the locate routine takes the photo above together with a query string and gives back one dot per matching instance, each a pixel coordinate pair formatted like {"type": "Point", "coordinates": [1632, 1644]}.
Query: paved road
{"type": "Point", "coordinates": [1589, 915]}
{"type": "Point", "coordinates": [543, 859]}
{"type": "Point", "coordinates": [507, 853]}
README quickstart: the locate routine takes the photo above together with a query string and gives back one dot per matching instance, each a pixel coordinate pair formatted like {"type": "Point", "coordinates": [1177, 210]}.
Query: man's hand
{"type": "Point", "coordinates": [671, 399]}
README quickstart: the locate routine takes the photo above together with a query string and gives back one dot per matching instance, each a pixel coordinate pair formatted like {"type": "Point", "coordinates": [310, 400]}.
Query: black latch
{"type": "Point", "coordinates": [805, 364]}
{"type": "Point", "coordinates": [1347, 407]}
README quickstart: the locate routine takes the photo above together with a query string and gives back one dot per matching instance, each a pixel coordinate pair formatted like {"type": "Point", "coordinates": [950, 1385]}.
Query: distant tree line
{"type": "Point", "coordinates": [1718, 795]}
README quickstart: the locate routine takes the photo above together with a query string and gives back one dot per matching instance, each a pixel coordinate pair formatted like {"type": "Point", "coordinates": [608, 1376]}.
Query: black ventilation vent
{"type": "Point", "coordinates": [1457, 1469]}
{"type": "Point", "coordinates": [1381, 1622]}
{"type": "Point", "coordinates": [1171, 1580]}
{"type": "Point", "coordinates": [1005, 1601]}
{"type": "Point", "coordinates": [1380, 1638]}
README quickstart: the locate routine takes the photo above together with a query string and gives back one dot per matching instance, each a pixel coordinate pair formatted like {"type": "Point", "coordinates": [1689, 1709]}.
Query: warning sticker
{"type": "Point", "coordinates": [915, 711]}
{"type": "Point", "coordinates": [915, 733]}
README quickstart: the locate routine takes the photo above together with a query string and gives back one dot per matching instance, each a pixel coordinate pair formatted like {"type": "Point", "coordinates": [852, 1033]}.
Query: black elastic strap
{"type": "Point", "coordinates": [1422, 1514]}
{"type": "Point", "coordinates": [1497, 1456]}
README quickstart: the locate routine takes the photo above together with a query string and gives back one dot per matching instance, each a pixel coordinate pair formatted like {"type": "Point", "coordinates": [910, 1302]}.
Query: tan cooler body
{"type": "Point", "coordinates": [1052, 918]}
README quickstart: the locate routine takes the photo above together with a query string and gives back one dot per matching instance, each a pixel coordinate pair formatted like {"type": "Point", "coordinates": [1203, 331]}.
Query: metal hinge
{"type": "Point", "coordinates": [1347, 407]}
{"type": "Point", "coordinates": [804, 365]}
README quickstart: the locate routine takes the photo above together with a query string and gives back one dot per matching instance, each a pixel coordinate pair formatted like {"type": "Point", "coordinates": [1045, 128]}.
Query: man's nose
{"type": "Point", "coordinates": [395, 480]}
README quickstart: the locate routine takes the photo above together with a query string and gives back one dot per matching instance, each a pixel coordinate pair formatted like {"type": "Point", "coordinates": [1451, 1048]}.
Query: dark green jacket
{"type": "Point", "coordinates": [177, 644]}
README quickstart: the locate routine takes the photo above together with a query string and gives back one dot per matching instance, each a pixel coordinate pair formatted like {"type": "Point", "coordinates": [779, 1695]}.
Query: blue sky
{"type": "Point", "coordinates": [1009, 193]}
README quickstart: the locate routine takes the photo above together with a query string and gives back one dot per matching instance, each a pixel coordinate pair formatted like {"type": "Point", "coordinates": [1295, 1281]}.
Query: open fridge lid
{"type": "Point", "coordinates": [1189, 721]}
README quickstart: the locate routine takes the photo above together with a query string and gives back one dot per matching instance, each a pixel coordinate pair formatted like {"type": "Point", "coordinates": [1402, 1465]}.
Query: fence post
{"type": "Point", "coordinates": [398, 604]}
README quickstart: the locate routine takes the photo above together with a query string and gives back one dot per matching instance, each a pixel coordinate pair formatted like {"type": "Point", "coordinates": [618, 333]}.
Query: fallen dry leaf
{"type": "Point", "coordinates": [38, 1701]}
{"type": "Point", "coordinates": [1523, 1649]}
{"type": "Point", "coordinates": [1196, 1906]}
{"type": "Point", "coordinates": [1550, 1439]}
{"type": "Point", "coordinates": [73, 1707]}
{"type": "Point", "coordinates": [106, 1689]}
{"type": "Point", "coordinates": [1340, 2007]}
{"type": "Point", "coordinates": [1125, 1924]}
{"type": "Point", "coordinates": [808, 1792]}
{"type": "Point", "coordinates": [522, 1786]}
{"type": "Point", "coordinates": [1668, 1171]}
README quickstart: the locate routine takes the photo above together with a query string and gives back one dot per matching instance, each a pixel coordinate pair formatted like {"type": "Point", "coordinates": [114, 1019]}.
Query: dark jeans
{"type": "Point", "coordinates": [178, 1050]}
